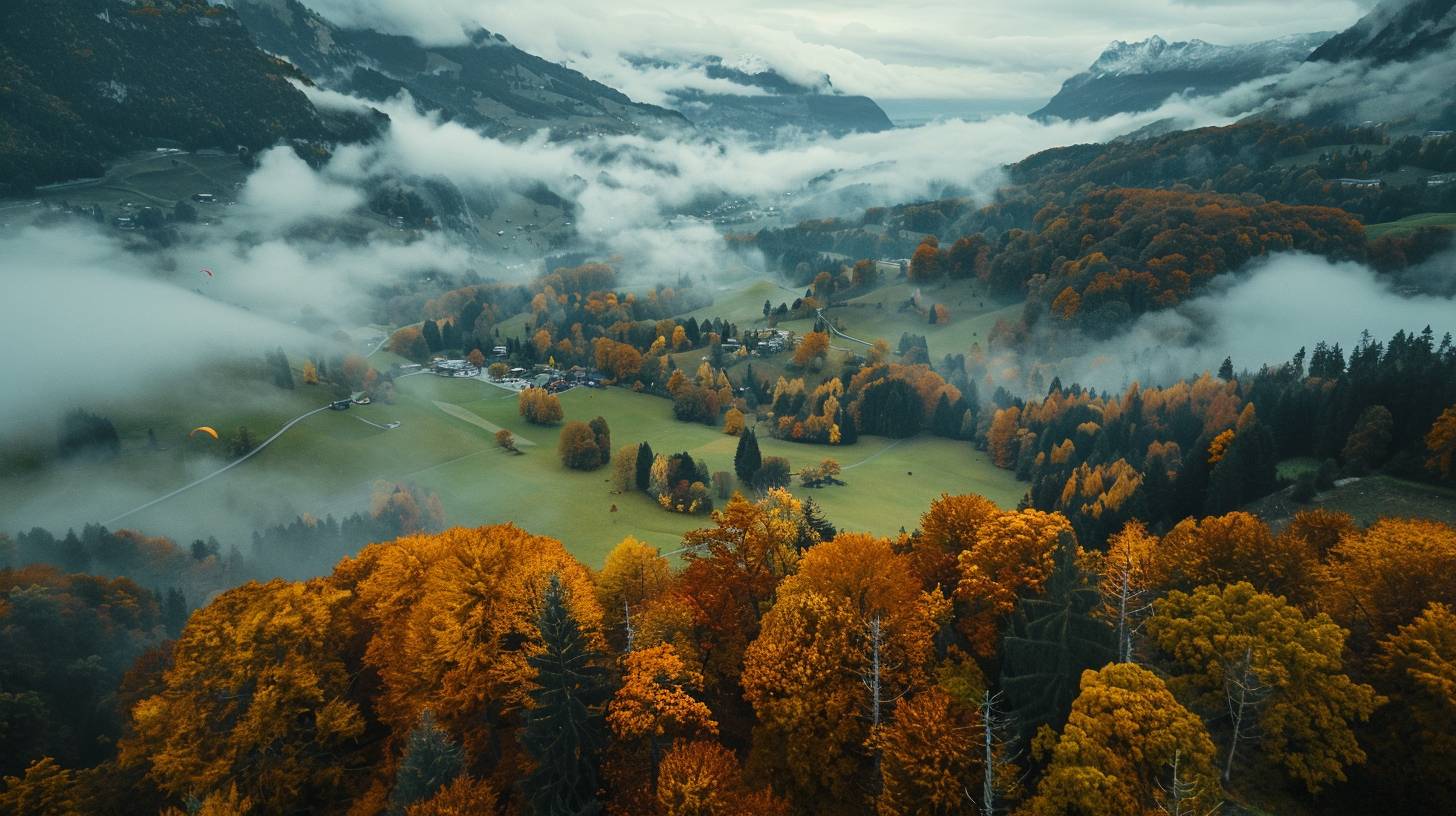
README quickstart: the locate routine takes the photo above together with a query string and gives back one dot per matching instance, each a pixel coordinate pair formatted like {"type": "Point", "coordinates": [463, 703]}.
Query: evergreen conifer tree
{"type": "Point", "coordinates": [1053, 638]}
{"type": "Point", "coordinates": [643, 476]}
{"type": "Point", "coordinates": [431, 761]}
{"type": "Point", "coordinates": [747, 459]}
{"type": "Point", "coordinates": [564, 730]}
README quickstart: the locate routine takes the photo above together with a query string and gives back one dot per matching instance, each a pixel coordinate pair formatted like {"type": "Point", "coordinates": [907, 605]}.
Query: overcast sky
{"type": "Point", "coordinates": [949, 49]}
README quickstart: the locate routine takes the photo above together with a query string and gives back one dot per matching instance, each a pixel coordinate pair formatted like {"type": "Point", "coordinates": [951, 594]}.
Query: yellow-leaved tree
{"type": "Point", "coordinates": [260, 695]}
{"type": "Point", "coordinates": [1414, 739]}
{"type": "Point", "coordinates": [1129, 748]}
{"type": "Point", "coordinates": [633, 574]}
{"type": "Point", "coordinates": [1271, 671]}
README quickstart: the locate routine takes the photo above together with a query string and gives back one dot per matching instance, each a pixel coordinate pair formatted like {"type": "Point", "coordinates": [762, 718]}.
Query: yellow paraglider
{"type": "Point", "coordinates": [203, 429]}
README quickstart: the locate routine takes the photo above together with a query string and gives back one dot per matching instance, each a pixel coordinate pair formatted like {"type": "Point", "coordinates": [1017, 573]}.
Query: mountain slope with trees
{"type": "Point", "coordinates": [85, 80]}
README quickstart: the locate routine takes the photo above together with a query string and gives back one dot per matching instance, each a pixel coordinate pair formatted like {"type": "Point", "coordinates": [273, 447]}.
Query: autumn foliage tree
{"type": "Point", "coordinates": [274, 713]}
{"type": "Point", "coordinates": [811, 349]}
{"type": "Point", "coordinates": [539, 406]}
{"type": "Point", "coordinates": [453, 627]}
{"type": "Point", "coordinates": [851, 631]}
{"type": "Point", "coordinates": [930, 756]}
{"type": "Point", "coordinates": [1441, 443]}
{"type": "Point", "coordinates": [701, 778]}
{"type": "Point", "coordinates": [1012, 555]}
{"type": "Point", "coordinates": [578, 447]}
{"type": "Point", "coordinates": [1381, 578]}
{"type": "Point", "coordinates": [657, 703]}
{"type": "Point", "coordinates": [1414, 735]}
{"type": "Point", "coordinates": [1259, 661]}
{"type": "Point", "coordinates": [1124, 742]}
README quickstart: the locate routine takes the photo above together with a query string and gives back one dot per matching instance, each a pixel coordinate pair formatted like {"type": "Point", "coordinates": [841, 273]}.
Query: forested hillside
{"type": "Point", "coordinates": [83, 80]}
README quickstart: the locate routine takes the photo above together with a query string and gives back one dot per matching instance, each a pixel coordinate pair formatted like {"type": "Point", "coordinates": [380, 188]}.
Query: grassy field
{"type": "Point", "coordinates": [157, 179]}
{"type": "Point", "coordinates": [327, 463]}
{"type": "Point", "coordinates": [1410, 224]}
{"type": "Point", "coordinates": [878, 315]}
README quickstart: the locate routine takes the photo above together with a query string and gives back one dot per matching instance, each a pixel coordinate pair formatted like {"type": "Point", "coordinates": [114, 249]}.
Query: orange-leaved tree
{"type": "Point", "coordinates": [701, 778]}
{"type": "Point", "coordinates": [1380, 579]}
{"type": "Point", "coordinates": [930, 756]}
{"type": "Point", "coordinates": [1013, 555]}
{"type": "Point", "coordinates": [656, 705]}
{"type": "Point", "coordinates": [849, 634]}
{"type": "Point", "coordinates": [453, 620]}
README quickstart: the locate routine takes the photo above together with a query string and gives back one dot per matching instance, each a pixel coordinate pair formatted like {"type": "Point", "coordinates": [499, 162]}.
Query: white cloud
{"type": "Point", "coordinates": [1262, 316]}
{"type": "Point", "coordinates": [1005, 49]}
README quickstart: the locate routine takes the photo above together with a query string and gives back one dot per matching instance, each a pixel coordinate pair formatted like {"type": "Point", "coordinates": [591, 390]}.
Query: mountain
{"type": "Point", "coordinates": [1139, 76]}
{"type": "Point", "coordinates": [770, 102]}
{"type": "Point", "coordinates": [1395, 31]}
{"type": "Point", "coordinates": [82, 81]}
{"type": "Point", "coordinates": [486, 83]}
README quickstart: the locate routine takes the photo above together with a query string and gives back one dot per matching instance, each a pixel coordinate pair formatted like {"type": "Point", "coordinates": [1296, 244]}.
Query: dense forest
{"type": "Point", "coordinates": [1210, 445]}
{"type": "Point", "coordinates": [1278, 184]}
{"type": "Point", "coordinates": [984, 660]}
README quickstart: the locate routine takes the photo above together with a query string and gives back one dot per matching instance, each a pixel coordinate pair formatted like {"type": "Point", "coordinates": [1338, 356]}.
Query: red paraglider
{"type": "Point", "coordinates": [207, 270]}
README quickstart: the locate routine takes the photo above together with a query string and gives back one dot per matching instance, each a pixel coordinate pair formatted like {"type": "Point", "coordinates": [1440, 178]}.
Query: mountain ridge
{"type": "Point", "coordinates": [1134, 76]}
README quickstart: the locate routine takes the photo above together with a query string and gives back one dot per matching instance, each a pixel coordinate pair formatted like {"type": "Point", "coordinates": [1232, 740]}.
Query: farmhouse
{"type": "Point", "coordinates": [1360, 184]}
{"type": "Point", "coordinates": [455, 368]}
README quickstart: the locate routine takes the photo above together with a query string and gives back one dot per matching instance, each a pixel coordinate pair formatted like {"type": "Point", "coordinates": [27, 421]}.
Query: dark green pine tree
{"type": "Point", "coordinates": [946, 421]}
{"type": "Point", "coordinates": [431, 332]}
{"type": "Point", "coordinates": [1053, 638]}
{"type": "Point", "coordinates": [848, 431]}
{"type": "Point", "coordinates": [747, 459]}
{"type": "Point", "coordinates": [1226, 370]}
{"type": "Point", "coordinates": [1247, 471]}
{"type": "Point", "coordinates": [564, 731]}
{"type": "Point", "coordinates": [174, 611]}
{"type": "Point", "coordinates": [644, 466]}
{"type": "Point", "coordinates": [431, 761]}
{"type": "Point", "coordinates": [813, 526]}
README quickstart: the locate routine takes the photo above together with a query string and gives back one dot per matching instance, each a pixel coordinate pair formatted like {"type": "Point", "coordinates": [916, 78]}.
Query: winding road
{"type": "Point", "coordinates": [224, 469]}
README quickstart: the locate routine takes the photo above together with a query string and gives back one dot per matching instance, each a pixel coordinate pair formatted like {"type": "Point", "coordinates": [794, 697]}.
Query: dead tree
{"type": "Point", "coordinates": [1244, 693]}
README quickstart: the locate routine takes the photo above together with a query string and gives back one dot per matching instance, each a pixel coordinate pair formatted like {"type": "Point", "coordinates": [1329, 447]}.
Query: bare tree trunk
{"type": "Point", "coordinates": [988, 779]}
{"type": "Point", "coordinates": [1244, 692]}
{"type": "Point", "coordinates": [876, 641]}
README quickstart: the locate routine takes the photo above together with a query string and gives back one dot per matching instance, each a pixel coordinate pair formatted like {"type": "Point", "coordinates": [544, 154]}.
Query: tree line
{"type": "Point", "coordinates": [986, 660]}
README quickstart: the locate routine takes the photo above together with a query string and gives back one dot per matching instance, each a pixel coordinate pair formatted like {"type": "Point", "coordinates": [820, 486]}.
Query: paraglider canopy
{"type": "Point", "coordinates": [203, 429]}
{"type": "Point", "coordinates": [208, 270]}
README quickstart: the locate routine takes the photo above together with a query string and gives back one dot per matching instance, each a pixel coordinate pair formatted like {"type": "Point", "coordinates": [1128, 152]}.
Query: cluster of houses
{"type": "Point", "coordinates": [767, 341]}
{"type": "Point", "coordinates": [454, 368]}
